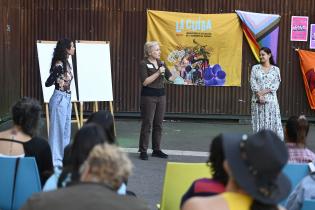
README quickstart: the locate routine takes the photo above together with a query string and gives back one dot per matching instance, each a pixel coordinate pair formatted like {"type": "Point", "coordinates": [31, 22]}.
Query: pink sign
{"type": "Point", "coordinates": [312, 36]}
{"type": "Point", "coordinates": [299, 28]}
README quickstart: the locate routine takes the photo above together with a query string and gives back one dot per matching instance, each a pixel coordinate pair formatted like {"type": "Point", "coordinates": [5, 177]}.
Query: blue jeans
{"type": "Point", "coordinates": [60, 108]}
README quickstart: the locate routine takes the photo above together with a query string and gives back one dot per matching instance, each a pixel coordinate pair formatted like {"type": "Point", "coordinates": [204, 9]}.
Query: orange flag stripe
{"type": "Point", "coordinates": [307, 63]}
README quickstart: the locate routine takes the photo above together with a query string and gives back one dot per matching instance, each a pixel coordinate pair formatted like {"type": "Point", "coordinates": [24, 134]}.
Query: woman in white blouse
{"type": "Point", "coordinates": [265, 80]}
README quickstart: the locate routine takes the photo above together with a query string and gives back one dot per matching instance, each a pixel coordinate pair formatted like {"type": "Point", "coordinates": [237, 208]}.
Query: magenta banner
{"type": "Point", "coordinates": [299, 28]}
{"type": "Point", "coordinates": [312, 36]}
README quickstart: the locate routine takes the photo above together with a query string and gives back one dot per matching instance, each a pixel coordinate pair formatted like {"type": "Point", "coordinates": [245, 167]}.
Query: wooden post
{"type": "Point", "coordinates": [112, 111]}
{"type": "Point", "coordinates": [81, 113]}
{"type": "Point", "coordinates": [77, 114]}
{"type": "Point", "coordinates": [47, 118]}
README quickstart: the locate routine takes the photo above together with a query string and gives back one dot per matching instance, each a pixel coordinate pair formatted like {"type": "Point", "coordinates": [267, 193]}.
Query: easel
{"type": "Point", "coordinates": [100, 68]}
{"type": "Point", "coordinates": [77, 120]}
{"type": "Point", "coordinates": [95, 109]}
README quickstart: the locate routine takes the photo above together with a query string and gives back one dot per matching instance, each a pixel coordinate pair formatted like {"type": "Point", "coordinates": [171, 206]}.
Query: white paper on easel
{"type": "Point", "coordinates": [45, 50]}
{"type": "Point", "coordinates": [94, 71]}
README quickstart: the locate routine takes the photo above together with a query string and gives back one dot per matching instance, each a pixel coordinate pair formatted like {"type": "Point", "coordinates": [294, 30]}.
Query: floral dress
{"type": "Point", "coordinates": [267, 115]}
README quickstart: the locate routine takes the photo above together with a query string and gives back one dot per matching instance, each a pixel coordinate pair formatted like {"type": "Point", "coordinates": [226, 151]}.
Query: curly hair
{"type": "Point", "coordinates": [108, 164]}
{"type": "Point", "coordinates": [26, 114]}
{"type": "Point", "coordinates": [60, 53]}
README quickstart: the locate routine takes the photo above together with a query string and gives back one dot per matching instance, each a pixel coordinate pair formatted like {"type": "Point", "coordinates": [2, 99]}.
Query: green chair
{"type": "Point", "coordinates": [177, 180]}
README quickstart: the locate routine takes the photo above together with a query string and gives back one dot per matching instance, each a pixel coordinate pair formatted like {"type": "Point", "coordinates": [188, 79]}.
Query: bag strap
{"type": "Point", "coordinates": [17, 162]}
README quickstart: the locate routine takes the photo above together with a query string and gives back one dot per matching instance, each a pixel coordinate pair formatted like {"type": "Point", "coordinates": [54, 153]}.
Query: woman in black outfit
{"type": "Point", "coordinates": [20, 140]}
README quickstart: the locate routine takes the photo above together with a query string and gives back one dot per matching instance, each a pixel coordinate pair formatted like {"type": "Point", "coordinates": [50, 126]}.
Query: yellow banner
{"type": "Point", "coordinates": [200, 49]}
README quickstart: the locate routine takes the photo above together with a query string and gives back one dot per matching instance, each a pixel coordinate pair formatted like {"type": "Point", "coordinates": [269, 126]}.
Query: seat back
{"type": "Point", "coordinates": [27, 181]}
{"type": "Point", "coordinates": [177, 180]}
{"type": "Point", "coordinates": [308, 205]}
{"type": "Point", "coordinates": [295, 173]}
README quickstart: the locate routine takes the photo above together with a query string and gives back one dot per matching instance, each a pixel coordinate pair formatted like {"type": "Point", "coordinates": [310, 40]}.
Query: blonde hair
{"type": "Point", "coordinates": [109, 165]}
{"type": "Point", "coordinates": [148, 47]}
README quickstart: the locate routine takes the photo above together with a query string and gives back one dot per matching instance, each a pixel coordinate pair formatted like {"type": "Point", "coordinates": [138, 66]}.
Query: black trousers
{"type": "Point", "coordinates": [152, 114]}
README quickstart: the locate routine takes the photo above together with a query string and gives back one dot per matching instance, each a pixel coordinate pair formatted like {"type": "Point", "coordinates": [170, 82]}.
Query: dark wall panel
{"type": "Point", "coordinates": [9, 54]}
{"type": "Point", "coordinates": [123, 23]}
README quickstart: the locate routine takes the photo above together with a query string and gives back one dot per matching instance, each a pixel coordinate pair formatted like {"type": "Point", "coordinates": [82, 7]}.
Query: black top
{"type": "Point", "coordinates": [38, 148]}
{"type": "Point", "coordinates": [156, 88]}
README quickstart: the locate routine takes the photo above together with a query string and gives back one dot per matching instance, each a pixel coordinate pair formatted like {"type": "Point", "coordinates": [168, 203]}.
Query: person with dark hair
{"type": "Point", "coordinates": [215, 185]}
{"type": "Point", "coordinates": [264, 81]}
{"type": "Point", "coordinates": [153, 73]}
{"type": "Point", "coordinates": [101, 174]}
{"type": "Point", "coordinates": [296, 131]}
{"type": "Point", "coordinates": [21, 139]}
{"type": "Point", "coordinates": [84, 140]}
{"type": "Point", "coordinates": [60, 106]}
{"type": "Point", "coordinates": [252, 184]}
{"type": "Point", "coordinates": [104, 119]}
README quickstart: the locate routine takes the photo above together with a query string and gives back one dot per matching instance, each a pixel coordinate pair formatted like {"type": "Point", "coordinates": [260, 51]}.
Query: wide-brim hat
{"type": "Point", "coordinates": [256, 163]}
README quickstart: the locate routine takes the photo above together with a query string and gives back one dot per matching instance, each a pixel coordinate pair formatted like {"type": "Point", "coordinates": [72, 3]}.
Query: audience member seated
{"type": "Point", "coordinates": [106, 121]}
{"type": "Point", "coordinates": [20, 140]}
{"type": "Point", "coordinates": [253, 164]}
{"type": "Point", "coordinates": [84, 140]}
{"type": "Point", "coordinates": [296, 131]}
{"type": "Point", "coordinates": [101, 175]}
{"type": "Point", "coordinates": [215, 185]}
{"type": "Point", "coordinates": [305, 190]}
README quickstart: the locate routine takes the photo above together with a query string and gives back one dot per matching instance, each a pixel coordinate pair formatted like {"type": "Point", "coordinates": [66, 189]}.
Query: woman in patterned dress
{"type": "Point", "coordinates": [264, 81]}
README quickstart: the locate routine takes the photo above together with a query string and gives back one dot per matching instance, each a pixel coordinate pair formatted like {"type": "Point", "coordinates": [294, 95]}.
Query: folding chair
{"type": "Point", "coordinates": [308, 205]}
{"type": "Point", "coordinates": [177, 180]}
{"type": "Point", "coordinates": [19, 179]}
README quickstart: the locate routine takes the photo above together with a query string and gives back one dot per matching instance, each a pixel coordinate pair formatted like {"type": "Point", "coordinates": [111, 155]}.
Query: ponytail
{"type": "Point", "coordinates": [303, 127]}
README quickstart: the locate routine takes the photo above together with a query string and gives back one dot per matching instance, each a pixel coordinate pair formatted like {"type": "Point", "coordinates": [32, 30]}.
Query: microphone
{"type": "Point", "coordinates": [162, 64]}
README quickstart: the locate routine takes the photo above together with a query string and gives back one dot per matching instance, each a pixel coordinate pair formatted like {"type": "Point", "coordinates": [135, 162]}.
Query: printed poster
{"type": "Point", "coordinates": [299, 28]}
{"type": "Point", "coordinates": [312, 36]}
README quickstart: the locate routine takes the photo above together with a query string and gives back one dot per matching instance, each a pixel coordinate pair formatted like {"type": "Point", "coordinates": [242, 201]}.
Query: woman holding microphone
{"type": "Point", "coordinates": [153, 74]}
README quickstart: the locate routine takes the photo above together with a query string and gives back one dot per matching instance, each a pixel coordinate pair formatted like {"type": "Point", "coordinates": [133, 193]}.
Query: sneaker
{"type": "Point", "coordinates": [143, 156]}
{"type": "Point", "coordinates": [159, 153]}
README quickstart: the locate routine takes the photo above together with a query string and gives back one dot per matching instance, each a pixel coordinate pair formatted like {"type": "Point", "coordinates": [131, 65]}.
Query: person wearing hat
{"type": "Point", "coordinates": [254, 166]}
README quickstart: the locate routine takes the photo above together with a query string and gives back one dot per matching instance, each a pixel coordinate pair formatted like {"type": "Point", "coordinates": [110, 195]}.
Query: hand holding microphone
{"type": "Point", "coordinates": [162, 68]}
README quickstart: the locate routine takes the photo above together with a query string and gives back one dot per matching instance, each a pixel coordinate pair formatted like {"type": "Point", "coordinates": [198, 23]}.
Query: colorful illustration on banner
{"type": "Point", "coordinates": [192, 67]}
